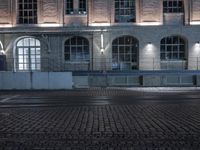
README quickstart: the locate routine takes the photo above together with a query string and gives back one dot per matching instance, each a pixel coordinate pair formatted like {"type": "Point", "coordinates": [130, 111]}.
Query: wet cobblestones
{"type": "Point", "coordinates": [108, 127]}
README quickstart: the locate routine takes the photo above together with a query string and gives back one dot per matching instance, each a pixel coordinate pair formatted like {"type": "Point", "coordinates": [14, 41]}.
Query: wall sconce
{"type": "Point", "coordinates": [102, 46]}
{"type": "Point", "coordinates": [198, 43]}
{"type": "Point", "coordinates": [2, 52]}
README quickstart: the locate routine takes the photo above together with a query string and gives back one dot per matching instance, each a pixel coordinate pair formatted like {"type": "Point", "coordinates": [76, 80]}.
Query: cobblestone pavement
{"type": "Point", "coordinates": [128, 120]}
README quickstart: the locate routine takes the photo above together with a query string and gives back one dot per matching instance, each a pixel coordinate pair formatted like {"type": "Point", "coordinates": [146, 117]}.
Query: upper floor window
{"type": "Point", "coordinates": [125, 11]}
{"type": "Point", "coordinates": [75, 7]}
{"type": "Point", "coordinates": [27, 11]}
{"type": "Point", "coordinates": [69, 9]}
{"type": "Point", "coordinates": [173, 6]}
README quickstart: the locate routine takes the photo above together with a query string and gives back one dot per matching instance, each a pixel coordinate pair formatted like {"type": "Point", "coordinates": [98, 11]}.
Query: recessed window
{"type": "Point", "coordinates": [125, 11]}
{"type": "Point", "coordinates": [125, 53]}
{"type": "Point", "coordinates": [69, 9]}
{"type": "Point", "coordinates": [27, 11]}
{"type": "Point", "coordinates": [77, 49]}
{"type": "Point", "coordinates": [76, 7]}
{"type": "Point", "coordinates": [172, 48]}
{"type": "Point", "coordinates": [28, 54]}
{"type": "Point", "coordinates": [173, 6]}
{"type": "Point", "coordinates": [82, 7]}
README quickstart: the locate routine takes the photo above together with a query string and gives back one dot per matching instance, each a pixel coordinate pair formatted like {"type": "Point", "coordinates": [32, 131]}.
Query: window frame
{"type": "Point", "coordinates": [172, 46]}
{"type": "Point", "coordinates": [172, 6]}
{"type": "Point", "coordinates": [122, 51]}
{"type": "Point", "coordinates": [77, 7]}
{"type": "Point", "coordinates": [125, 14]}
{"type": "Point", "coordinates": [81, 50]}
{"type": "Point", "coordinates": [27, 12]}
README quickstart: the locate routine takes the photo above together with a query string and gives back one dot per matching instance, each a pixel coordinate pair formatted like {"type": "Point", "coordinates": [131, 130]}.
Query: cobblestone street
{"type": "Point", "coordinates": [115, 120]}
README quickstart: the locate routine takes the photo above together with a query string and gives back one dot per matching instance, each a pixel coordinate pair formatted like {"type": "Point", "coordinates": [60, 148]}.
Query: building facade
{"type": "Point", "coordinates": [90, 35]}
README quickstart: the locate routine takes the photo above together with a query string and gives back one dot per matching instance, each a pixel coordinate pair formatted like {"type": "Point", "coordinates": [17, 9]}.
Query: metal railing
{"type": "Point", "coordinates": [100, 64]}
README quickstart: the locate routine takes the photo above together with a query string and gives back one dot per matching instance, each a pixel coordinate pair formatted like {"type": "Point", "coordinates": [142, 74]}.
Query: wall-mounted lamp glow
{"type": "Point", "coordinates": [149, 46]}
{"type": "Point", "coordinates": [2, 52]}
{"type": "Point", "coordinates": [198, 43]}
{"type": "Point", "coordinates": [102, 46]}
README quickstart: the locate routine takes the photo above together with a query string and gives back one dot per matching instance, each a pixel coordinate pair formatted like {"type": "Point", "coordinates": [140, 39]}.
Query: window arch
{"type": "Point", "coordinates": [125, 53]}
{"type": "Point", "coordinates": [173, 48]}
{"type": "Point", "coordinates": [27, 11]}
{"type": "Point", "coordinates": [77, 49]}
{"type": "Point", "coordinates": [28, 54]}
{"type": "Point", "coordinates": [125, 11]}
{"type": "Point", "coordinates": [173, 6]}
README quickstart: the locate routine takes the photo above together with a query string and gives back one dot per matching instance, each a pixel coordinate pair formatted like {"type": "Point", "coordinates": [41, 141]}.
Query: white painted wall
{"type": "Point", "coordinates": [35, 80]}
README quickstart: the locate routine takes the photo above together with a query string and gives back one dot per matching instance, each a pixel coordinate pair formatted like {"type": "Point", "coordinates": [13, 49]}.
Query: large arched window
{"type": "Point", "coordinates": [28, 54]}
{"type": "Point", "coordinates": [173, 6]}
{"type": "Point", "coordinates": [172, 48]}
{"type": "Point", "coordinates": [27, 11]}
{"type": "Point", "coordinates": [77, 49]}
{"type": "Point", "coordinates": [125, 53]}
{"type": "Point", "coordinates": [173, 53]}
{"type": "Point", "coordinates": [125, 11]}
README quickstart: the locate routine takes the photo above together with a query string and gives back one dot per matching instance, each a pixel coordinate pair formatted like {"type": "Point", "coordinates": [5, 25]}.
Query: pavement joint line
{"type": "Point", "coordinates": [9, 98]}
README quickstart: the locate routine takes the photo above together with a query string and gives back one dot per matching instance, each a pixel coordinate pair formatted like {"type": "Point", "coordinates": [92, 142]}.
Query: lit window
{"type": "Point", "coordinates": [172, 48]}
{"type": "Point", "coordinates": [125, 11]}
{"type": "Point", "coordinates": [173, 6]}
{"type": "Point", "coordinates": [28, 54]}
{"type": "Point", "coordinates": [27, 11]}
{"type": "Point", "coordinates": [125, 53]}
{"type": "Point", "coordinates": [77, 49]}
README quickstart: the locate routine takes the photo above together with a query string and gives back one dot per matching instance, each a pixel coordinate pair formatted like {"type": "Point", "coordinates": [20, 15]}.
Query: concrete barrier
{"type": "Point", "coordinates": [35, 80]}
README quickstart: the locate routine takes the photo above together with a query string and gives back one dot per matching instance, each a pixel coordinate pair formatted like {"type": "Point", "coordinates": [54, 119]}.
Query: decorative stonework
{"type": "Point", "coordinates": [150, 10]}
{"type": "Point", "coordinates": [4, 8]}
{"type": "Point", "coordinates": [50, 10]}
{"type": "Point", "coordinates": [196, 10]}
{"type": "Point", "coordinates": [100, 11]}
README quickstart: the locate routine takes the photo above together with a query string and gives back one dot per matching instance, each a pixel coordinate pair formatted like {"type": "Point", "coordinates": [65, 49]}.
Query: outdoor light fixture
{"type": "Point", "coordinates": [2, 52]}
{"type": "Point", "coordinates": [198, 43]}
{"type": "Point", "coordinates": [102, 46]}
{"type": "Point", "coordinates": [149, 46]}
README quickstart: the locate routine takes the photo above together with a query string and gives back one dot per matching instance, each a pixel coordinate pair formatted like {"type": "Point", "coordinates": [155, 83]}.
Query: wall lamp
{"type": "Point", "coordinates": [198, 43]}
{"type": "Point", "coordinates": [2, 52]}
{"type": "Point", "coordinates": [102, 45]}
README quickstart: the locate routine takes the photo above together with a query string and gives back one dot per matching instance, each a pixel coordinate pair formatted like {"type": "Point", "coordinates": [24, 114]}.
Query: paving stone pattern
{"type": "Point", "coordinates": [108, 127]}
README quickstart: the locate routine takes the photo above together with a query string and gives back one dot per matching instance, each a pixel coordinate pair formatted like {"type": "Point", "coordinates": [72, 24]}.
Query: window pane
{"type": "Point", "coordinates": [173, 6]}
{"type": "Point", "coordinates": [172, 48]}
{"type": "Point", "coordinates": [124, 51]}
{"type": "Point", "coordinates": [28, 54]}
{"type": "Point", "coordinates": [27, 12]}
{"type": "Point", "coordinates": [125, 11]}
{"type": "Point", "coordinates": [79, 47]}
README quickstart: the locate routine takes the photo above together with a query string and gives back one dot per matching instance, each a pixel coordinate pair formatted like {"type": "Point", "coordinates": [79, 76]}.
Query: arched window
{"type": "Point", "coordinates": [125, 53]}
{"type": "Point", "coordinates": [28, 54]}
{"type": "Point", "coordinates": [173, 6]}
{"type": "Point", "coordinates": [172, 48]}
{"type": "Point", "coordinates": [77, 49]}
{"type": "Point", "coordinates": [27, 11]}
{"type": "Point", "coordinates": [125, 11]}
